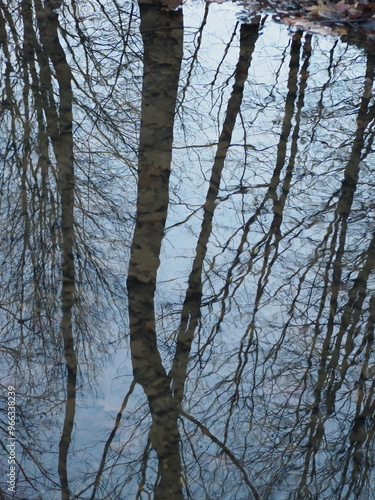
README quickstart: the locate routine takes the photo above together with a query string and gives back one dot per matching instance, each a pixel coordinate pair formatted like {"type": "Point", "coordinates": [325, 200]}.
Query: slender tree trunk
{"type": "Point", "coordinates": [162, 34]}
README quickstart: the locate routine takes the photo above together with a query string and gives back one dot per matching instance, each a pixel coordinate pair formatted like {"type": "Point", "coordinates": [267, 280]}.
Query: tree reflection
{"type": "Point", "coordinates": [216, 273]}
{"type": "Point", "coordinates": [162, 61]}
{"type": "Point", "coordinates": [46, 262]}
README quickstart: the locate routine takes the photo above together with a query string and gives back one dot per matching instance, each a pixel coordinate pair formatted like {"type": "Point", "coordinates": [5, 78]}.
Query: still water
{"type": "Point", "coordinates": [187, 256]}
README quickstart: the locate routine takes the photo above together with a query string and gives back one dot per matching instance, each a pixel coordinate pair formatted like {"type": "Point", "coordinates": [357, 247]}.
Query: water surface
{"type": "Point", "coordinates": [187, 255]}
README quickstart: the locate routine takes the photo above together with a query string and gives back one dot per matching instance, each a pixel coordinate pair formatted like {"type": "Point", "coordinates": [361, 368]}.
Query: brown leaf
{"type": "Point", "coordinates": [354, 13]}
{"type": "Point", "coordinates": [342, 7]}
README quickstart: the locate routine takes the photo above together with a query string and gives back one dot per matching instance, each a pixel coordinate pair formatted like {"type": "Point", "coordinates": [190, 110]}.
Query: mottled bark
{"type": "Point", "coordinates": [59, 126]}
{"type": "Point", "coordinates": [162, 34]}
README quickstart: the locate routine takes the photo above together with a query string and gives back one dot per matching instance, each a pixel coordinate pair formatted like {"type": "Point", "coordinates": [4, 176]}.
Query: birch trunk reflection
{"type": "Point", "coordinates": [191, 312]}
{"type": "Point", "coordinates": [61, 126]}
{"type": "Point", "coordinates": [45, 63]}
{"type": "Point", "coordinates": [339, 346]}
{"type": "Point", "coordinates": [162, 34]}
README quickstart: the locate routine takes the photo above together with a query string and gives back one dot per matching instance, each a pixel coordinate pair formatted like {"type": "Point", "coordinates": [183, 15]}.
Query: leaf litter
{"type": "Point", "coordinates": [353, 21]}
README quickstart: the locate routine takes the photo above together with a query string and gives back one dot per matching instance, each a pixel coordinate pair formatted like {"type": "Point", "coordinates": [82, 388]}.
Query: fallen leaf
{"type": "Point", "coordinates": [342, 7]}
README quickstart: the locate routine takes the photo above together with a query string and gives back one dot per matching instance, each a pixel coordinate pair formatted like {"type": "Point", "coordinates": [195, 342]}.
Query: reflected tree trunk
{"type": "Point", "coordinates": [191, 311]}
{"type": "Point", "coordinates": [59, 124]}
{"type": "Point", "coordinates": [159, 97]}
{"type": "Point", "coordinates": [269, 243]}
{"type": "Point", "coordinates": [162, 34]}
{"type": "Point", "coordinates": [338, 346]}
